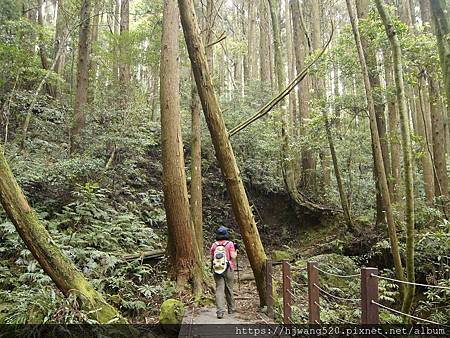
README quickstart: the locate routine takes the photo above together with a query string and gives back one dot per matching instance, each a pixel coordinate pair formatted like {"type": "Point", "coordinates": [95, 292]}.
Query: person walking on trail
{"type": "Point", "coordinates": [223, 254]}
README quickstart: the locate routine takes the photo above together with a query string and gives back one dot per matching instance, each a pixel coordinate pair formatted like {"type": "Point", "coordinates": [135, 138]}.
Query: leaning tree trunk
{"type": "Point", "coordinates": [61, 270]}
{"type": "Point", "coordinates": [377, 150]}
{"type": "Point", "coordinates": [407, 153]}
{"type": "Point", "coordinates": [224, 152]}
{"type": "Point", "coordinates": [182, 247]}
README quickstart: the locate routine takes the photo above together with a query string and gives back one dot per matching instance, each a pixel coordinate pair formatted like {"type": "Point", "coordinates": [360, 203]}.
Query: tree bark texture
{"type": "Point", "coordinates": [176, 202]}
{"type": "Point", "coordinates": [82, 82]}
{"type": "Point", "coordinates": [196, 168]}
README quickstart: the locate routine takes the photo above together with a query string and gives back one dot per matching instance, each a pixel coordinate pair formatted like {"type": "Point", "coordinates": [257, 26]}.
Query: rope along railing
{"type": "Point", "coordinates": [339, 276]}
{"type": "Point", "coordinates": [369, 301]}
{"type": "Point", "coordinates": [351, 300]}
{"type": "Point", "coordinates": [411, 283]}
{"type": "Point", "coordinates": [407, 315]}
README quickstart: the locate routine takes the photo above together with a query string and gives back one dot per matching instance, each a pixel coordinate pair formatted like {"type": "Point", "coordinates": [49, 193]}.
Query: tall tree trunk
{"type": "Point", "coordinates": [300, 48]}
{"type": "Point", "coordinates": [264, 42]}
{"type": "Point", "coordinates": [93, 61]}
{"type": "Point", "coordinates": [79, 110]}
{"type": "Point", "coordinates": [209, 32]}
{"type": "Point", "coordinates": [124, 64]}
{"type": "Point", "coordinates": [222, 146]}
{"type": "Point", "coordinates": [291, 71]}
{"type": "Point", "coordinates": [287, 163]}
{"type": "Point", "coordinates": [61, 270]}
{"type": "Point", "coordinates": [393, 128]}
{"type": "Point", "coordinates": [196, 168]}
{"type": "Point", "coordinates": [435, 128]}
{"type": "Point", "coordinates": [407, 153]}
{"type": "Point", "coordinates": [182, 248]}
{"type": "Point", "coordinates": [116, 49]}
{"type": "Point", "coordinates": [252, 48]}
{"type": "Point", "coordinates": [319, 82]}
{"type": "Point", "coordinates": [377, 150]}
{"type": "Point", "coordinates": [42, 51]}
{"type": "Point", "coordinates": [424, 131]}
{"type": "Point", "coordinates": [442, 31]}
{"type": "Point", "coordinates": [438, 132]}
{"type": "Point", "coordinates": [60, 41]}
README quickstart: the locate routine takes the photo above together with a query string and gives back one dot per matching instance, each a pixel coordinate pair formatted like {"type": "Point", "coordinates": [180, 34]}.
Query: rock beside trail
{"type": "Point", "coordinates": [171, 312]}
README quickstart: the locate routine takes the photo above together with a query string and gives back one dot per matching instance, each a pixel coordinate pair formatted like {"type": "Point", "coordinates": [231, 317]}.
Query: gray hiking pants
{"type": "Point", "coordinates": [224, 291]}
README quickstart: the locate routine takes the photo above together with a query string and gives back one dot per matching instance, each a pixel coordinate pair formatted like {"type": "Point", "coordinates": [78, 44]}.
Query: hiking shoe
{"type": "Point", "coordinates": [220, 315]}
{"type": "Point", "coordinates": [231, 311]}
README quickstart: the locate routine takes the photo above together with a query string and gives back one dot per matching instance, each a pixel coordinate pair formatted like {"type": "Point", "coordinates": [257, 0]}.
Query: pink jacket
{"type": "Point", "coordinates": [229, 250]}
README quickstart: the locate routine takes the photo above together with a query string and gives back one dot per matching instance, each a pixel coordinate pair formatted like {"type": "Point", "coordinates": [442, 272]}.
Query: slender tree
{"type": "Point", "coordinates": [407, 152]}
{"type": "Point", "coordinates": [196, 168]}
{"type": "Point", "coordinates": [377, 150]}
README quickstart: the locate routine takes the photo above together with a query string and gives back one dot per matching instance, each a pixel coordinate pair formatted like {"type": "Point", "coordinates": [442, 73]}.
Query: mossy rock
{"type": "Point", "coordinates": [279, 255]}
{"type": "Point", "coordinates": [171, 312]}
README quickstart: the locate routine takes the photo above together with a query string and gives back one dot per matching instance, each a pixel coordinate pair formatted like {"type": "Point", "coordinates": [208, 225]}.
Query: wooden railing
{"type": "Point", "coordinates": [368, 302]}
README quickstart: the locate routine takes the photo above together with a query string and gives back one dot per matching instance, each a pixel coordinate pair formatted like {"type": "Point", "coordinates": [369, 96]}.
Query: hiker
{"type": "Point", "coordinates": [223, 254]}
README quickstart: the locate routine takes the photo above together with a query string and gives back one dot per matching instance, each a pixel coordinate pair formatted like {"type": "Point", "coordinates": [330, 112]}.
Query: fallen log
{"type": "Point", "coordinates": [150, 254]}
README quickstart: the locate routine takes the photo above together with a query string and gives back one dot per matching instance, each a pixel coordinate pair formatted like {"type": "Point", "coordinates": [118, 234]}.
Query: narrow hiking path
{"type": "Point", "coordinates": [247, 305]}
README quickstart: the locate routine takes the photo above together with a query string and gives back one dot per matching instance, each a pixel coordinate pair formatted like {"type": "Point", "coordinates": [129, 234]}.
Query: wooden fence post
{"type": "Point", "coordinates": [287, 293]}
{"type": "Point", "coordinates": [369, 293]}
{"type": "Point", "coordinates": [269, 288]}
{"type": "Point", "coordinates": [313, 294]}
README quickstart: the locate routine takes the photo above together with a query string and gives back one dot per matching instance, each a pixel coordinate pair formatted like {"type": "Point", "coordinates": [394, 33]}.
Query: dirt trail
{"type": "Point", "coordinates": [247, 305]}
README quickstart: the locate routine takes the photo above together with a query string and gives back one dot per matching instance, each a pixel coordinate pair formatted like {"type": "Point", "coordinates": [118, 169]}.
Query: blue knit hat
{"type": "Point", "coordinates": [222, 231]}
